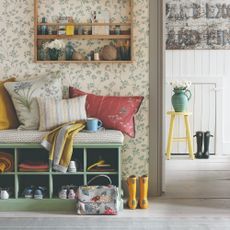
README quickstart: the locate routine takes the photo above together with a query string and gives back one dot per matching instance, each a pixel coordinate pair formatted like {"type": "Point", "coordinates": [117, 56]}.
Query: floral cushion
{"type": "Point", "coordinates": [24, 93]}
{"type": "Point", "coordinates": [115, 112]}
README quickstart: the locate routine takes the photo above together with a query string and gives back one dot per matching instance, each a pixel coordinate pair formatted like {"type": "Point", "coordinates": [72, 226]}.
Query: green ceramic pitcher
{"type": "Point", "coordinates": [180, 99]}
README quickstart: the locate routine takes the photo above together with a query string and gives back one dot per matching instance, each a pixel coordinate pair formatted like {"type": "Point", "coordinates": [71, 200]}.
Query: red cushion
{"type": "Point", "coordinates": [115, 112]}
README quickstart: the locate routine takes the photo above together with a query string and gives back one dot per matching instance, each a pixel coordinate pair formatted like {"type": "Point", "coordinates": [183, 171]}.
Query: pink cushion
{"type": "Point", "coordinates": [115, 112]}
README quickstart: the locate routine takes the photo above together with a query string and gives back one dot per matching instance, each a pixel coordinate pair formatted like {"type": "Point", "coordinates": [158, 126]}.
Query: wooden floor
{"type": "Point", "coordinates": [197, 197]}
{"type": "Point", "coordinates": [198, 178]}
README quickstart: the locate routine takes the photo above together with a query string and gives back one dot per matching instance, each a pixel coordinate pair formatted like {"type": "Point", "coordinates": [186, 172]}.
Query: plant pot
{"type": "Point", "coordinates": [54, 54]}
{"type": "Point", "coordinates": [180, 99]}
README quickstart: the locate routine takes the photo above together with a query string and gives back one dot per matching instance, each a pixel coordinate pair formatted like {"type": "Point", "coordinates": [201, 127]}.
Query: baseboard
{"type": "Point", "coordinates": [226, 148]}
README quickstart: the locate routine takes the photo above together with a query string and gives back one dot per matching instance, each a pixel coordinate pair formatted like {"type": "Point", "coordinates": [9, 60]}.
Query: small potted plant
{"type": "Point", "coordinates": [54, 48]}
{"type": "Point", "coordinates": [181, 96]}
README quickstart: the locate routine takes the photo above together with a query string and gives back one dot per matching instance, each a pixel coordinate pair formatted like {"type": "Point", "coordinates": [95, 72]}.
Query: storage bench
{"type": "Point", "coordinates": [88, 149]}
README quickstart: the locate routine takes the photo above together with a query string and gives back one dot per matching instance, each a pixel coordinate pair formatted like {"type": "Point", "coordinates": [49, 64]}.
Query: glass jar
{"type": "Point", "coordinates": [117, 30]}
{"type": "Point", "coordinates": [69, 50]}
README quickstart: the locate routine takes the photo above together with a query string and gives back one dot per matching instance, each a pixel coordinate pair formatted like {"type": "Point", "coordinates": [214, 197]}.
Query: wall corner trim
{"type": "Point", "coordinates": [156, 73]}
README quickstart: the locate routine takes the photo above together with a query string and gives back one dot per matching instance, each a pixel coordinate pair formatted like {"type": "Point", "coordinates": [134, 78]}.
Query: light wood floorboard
{"type": "Point", "coordinates": [198, 178]}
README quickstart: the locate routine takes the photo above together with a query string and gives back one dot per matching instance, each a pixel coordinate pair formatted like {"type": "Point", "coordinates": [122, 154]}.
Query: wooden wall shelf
{"type": "Point", "coordinates": [87, 24]}
{"type": "Point", "coordinates": [85, 62]}
{"type": "Point", "coordinates": [83, 37]}
{"type": "Point", "coordinates": [126, 36]}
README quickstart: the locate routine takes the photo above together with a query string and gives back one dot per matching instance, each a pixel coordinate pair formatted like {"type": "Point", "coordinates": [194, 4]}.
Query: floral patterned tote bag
{"type": "Point", "coordinates": [97, 200]}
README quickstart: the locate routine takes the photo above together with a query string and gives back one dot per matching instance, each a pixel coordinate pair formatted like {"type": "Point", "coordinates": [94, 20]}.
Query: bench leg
{"type": "Point", "coordinates": [170, 137]}
{"type": "Point", "coordinates": [189, 139]}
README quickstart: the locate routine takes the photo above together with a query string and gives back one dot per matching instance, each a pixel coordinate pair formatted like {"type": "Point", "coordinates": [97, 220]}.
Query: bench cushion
{"type": "Point", "coordinates": [34, 136]}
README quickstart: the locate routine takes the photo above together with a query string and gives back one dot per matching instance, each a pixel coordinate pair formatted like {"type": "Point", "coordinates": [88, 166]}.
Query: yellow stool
{"type": "Point", "coordinates": [188, 137]}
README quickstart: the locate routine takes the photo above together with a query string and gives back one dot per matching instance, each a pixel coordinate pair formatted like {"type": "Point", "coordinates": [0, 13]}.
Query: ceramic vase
{"type": "Point", "coordinates": [180, 99]}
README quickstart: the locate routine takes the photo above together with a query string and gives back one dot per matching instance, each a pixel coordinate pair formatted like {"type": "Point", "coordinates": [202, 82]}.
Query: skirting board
{"type": "Point", "coordinates": [226, 148]}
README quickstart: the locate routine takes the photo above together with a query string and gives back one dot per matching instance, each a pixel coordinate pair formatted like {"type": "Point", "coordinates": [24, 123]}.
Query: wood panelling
{"type": "Point", "coordinates": [209, 70]}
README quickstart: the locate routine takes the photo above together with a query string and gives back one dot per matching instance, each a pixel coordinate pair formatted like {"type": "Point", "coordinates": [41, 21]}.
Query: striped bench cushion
{"type": "Point", "coordinates": [33, 136]}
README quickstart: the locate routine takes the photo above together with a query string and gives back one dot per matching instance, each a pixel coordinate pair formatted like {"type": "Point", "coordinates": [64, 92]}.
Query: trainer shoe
{"type": "Point", "coordinates": [39, 193]}
{"type": "Point", "coordinates": [28, 192]}
{"type": "Point", "coordinates": [71, 194]}
{"type": "Point", "coordinates": [63, 194]}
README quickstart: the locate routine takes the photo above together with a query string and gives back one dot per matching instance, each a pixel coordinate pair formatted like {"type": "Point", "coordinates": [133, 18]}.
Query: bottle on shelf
{"type": "Point", "coordinates": [80, 30]}
{"type": "Point", "coordinates": [69, 50]}
{"type": "Point", "coordinates": [117, 30]}
{"type": "Point", "coordinates": [44, 28]}
{"type": "Point", "coordinates": [70, 28]}
{"type": "Point", "coordinates": [41, 52]}
{"type": "Point", "coordinates": [96, 56]}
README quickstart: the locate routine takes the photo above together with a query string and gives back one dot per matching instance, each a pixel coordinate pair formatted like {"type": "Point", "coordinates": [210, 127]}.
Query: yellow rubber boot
{"type": "Point", "coordinates": [143, 201]}
{"type": "Point", "coordinates": [132, 187]}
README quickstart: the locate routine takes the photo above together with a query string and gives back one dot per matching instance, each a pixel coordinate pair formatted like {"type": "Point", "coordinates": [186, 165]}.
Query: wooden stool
{"type": "Point", "coordinates": [188, 137]}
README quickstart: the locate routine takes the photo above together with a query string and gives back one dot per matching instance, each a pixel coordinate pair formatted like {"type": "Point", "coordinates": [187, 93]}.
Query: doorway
{"type": "Point", "coordinates": [208, 71]}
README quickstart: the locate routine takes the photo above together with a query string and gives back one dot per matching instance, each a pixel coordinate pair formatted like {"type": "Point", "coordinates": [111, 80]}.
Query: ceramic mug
{"type": "Point", "coordinates": [93, 124]}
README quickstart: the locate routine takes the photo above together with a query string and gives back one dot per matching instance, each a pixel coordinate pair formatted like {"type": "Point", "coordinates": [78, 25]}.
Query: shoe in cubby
{"type": "Point", "coordinates": [71, 194]}
{"type": "Point", "coordinates": [28, 192]}
{"type": "Point", "coordinates": [63, 194]}
{"type": "Point", "coordinates": [4, 193]}
{"type": "Point", "coordinates": [40, 192]}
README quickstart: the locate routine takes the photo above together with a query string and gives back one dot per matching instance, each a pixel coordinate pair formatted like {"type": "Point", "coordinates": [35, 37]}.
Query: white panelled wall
{"type": "Point", "coordinates": [209, 71]}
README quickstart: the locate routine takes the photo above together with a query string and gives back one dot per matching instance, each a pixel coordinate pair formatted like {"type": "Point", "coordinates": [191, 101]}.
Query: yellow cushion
{"type": "Point", "coordinates": [8, 117]}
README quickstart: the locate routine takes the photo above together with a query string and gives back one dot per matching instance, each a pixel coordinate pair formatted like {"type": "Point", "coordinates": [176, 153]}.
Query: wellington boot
{"type": "Point", "coordinates": [207, 136]}
{"type": "Point", "coordinates": [132, 187]}
{"type": "Point", "coordinates": [143, 201]}
{"type": "Point", "coordinates": [199, 140]}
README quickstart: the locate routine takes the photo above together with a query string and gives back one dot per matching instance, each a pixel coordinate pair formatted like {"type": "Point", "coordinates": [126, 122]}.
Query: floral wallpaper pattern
{"type": "Point", "coordinates": [16, 59]}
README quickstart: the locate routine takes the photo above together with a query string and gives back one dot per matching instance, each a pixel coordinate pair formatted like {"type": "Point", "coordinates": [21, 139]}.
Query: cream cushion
{"type": "Point", "coordinates": [55, 112]}
{"type": "Point", "coordinates": [24, 93]}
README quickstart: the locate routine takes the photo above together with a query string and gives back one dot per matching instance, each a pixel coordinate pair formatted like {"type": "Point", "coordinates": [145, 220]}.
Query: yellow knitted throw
{"type": "Point", "coordinates": [59, 143]}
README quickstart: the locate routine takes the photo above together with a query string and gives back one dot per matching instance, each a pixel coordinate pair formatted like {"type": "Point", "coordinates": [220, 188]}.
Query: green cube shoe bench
{"type": "Point", "coordinates": [88, 149]}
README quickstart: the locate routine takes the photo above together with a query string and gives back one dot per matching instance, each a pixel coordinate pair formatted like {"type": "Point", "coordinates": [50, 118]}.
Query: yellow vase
{"type": "Point", "coordinates": [132, 187]}
{"type": "Point", "coordinates": [143, 201]}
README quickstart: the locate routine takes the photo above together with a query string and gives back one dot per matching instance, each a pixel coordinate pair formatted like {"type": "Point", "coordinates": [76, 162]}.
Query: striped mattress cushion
{"type": "Point", "coordinates": [104, 136]}
{"type": "Point", "coordinates": [55, 112]}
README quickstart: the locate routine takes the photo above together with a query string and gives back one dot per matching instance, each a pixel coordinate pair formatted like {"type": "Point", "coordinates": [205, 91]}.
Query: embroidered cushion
{"type": "Point", "coordinates": [55, 112]}
{"type": "Point", "coordinates": [8, 117]}
{"type": "Point", "coordinates": [115, 112]}
{"type": "Point", "coordinates": [24, 93]}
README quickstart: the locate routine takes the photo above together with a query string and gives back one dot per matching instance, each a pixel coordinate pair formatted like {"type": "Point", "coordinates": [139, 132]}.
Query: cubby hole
{"type": "Point", "coordinates": [36, 157]}
{"type": "Point", "coordinates": [101, 180]}
{"type": "Point", "coordinates": [66, 181]}
{"type": "Point", "coordinates": [109, 156]}
{"type": "Point", "coordinates": [9, 154]}
{"type": "Point", "coordinates": [34, 181]}
{"type": "Point", "coordinates": [78, 156]}
{"type": "Point", "coordinates": [7, 183]}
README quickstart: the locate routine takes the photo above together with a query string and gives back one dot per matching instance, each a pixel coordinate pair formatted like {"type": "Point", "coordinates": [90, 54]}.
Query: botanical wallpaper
{"type": "Point", "coordinates": [16, 59]}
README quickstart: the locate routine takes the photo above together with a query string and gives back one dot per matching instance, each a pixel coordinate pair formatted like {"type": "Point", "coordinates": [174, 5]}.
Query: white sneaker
{"type": "Point", "coordinates": [71, 194]}
{"type": "Point", "coordinates": [72, 167]}
{"type": "Point", "coordinates": [4, 195]}
{"type": "Point", "coordinates": [63, 194]}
